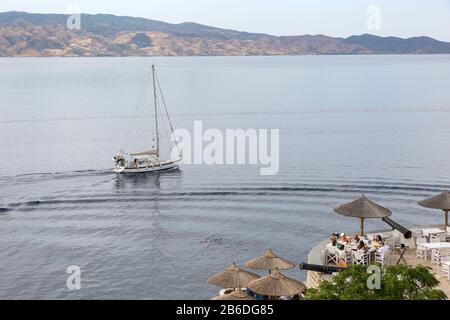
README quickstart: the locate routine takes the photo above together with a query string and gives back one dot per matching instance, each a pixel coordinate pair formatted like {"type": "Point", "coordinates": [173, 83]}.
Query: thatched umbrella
{"type": "Point", "coordinates": [269, 261]}
{"type": "Point", "coordinates": [276, 285]}
{"type": "Point", "coordinates": [235, 295]}
{"type": "Point", "coordinates": [233, 277]}
{"type": "Point", "coordinates": [362, 208]}
{"type": "Point", "coordinates": [441, 201]}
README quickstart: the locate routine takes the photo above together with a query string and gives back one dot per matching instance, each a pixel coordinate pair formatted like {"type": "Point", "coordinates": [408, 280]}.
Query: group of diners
{"type": "Point", "coordinates": [344, 249]}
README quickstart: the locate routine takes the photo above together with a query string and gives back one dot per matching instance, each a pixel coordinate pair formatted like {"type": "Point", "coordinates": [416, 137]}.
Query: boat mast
{"type": "Point", "coordinates": [156, 110]}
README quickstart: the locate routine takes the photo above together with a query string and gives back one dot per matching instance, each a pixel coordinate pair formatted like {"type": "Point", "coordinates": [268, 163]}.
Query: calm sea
{"type": "Point", "coordinates": [378, 125]}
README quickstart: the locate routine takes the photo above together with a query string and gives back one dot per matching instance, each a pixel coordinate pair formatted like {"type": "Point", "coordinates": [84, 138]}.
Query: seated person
{"type": "Point", "coordinates": [355, 239]}
{"type": "Point", "coordinates": [377, 242]}
{"type": "Point", "coordinates": [362, 247]}
{"type": "Point", "coordinates": [382, 248]}
{"type": "Point", "coordinates": [333, 243]}
{"type": "Point", "coordinates": [344, 238]}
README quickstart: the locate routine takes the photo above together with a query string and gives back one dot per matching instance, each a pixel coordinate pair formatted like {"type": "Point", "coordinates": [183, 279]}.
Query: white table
{"type": "Point", "coordinates": [428, 231]}
{"type": "Point", "coordinates": [434, 245]}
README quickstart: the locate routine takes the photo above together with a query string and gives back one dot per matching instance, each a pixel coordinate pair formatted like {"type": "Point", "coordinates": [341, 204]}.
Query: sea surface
{"type": "Point", "coordinates": [349, 125]}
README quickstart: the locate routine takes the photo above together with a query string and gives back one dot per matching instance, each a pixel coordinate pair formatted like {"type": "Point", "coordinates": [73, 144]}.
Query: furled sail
{"type": "Point", "coordinates": [145, 154]}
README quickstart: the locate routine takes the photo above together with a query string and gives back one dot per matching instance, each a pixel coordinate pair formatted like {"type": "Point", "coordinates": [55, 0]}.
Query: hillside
{"type": "Point", "coordinates": [35, 35]}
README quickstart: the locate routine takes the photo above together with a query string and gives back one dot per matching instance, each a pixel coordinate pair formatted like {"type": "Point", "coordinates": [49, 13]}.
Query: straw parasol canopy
{"type": "Point", "coordinates": [276, 285]}
{"type": "Point", "coordinates": [269, 261]}
{"type": "Point", "coordinates": [440, 201]}
{"type": "Point", "coordinates": [235, 295]}
{"type": "Point", "coordinates": [362, 208]}
{"type": "Point", "coordinates": [233, 277]}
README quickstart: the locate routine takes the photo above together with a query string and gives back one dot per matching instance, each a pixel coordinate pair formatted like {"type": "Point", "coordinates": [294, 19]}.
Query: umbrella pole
{"type": "Point", "coordinates": [362, 227]}
{"type": "Point", "coordinates": [446, 218]}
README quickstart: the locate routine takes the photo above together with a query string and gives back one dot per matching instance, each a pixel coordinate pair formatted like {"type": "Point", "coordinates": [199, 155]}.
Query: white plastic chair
{"type": "Point", "coordinates": [332, 255]}
{"type": "Point", "coordinates": [360, 258]}
{"type": "Point", "coordinates": [446, 267]}
{"type": "Point", "coordinates": [435, 256]}
{"type": "Point", "coordinates": [421, 252]}
{"type": "Point", "coordinates": [438, 254]}
{"type": "Point", "coordinates": [348, 256]}
{"type": "Point", "coordinates": [382, 255]}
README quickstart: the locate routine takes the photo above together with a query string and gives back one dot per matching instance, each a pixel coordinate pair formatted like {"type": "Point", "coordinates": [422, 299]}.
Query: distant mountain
{"type": "Point", "coordinates": [36, 35]}
{"type": "Point", "coordinates": [393, 45]}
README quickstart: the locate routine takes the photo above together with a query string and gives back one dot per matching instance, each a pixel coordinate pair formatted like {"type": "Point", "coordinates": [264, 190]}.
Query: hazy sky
{"type": "Point", "coordinates": [404, 18]}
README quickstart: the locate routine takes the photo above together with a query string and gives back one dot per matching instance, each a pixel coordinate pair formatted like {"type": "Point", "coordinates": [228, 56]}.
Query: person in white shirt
{"type": "Point", "coordinates": [362, 247]}
{"type": "Point", "coordinates": [332, 244]}
{"type": "Point", "coordinates": [382, 248]}
{"type": "Point", "coordinates": [355, 239]}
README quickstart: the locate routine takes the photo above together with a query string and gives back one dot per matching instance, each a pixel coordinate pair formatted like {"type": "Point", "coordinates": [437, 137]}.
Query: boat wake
{"type": "Point", "coordinates": [147, 190]}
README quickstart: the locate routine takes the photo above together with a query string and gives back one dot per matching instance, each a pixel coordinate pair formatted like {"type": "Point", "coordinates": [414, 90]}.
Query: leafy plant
{"type": "Point", "coordinates": [398, 282]}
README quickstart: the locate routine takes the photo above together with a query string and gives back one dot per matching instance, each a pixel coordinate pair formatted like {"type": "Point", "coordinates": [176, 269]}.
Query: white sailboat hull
{"type": "Point", "coordinates": [154, 167]}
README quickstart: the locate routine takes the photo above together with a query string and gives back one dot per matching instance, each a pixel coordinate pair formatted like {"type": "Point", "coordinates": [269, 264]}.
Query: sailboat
{"type": "Point", "coordinates": [148, 160]}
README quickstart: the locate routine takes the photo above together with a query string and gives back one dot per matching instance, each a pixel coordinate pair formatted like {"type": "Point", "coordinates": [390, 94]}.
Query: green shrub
{"type": "Point", "coordinates": [398, 282]}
